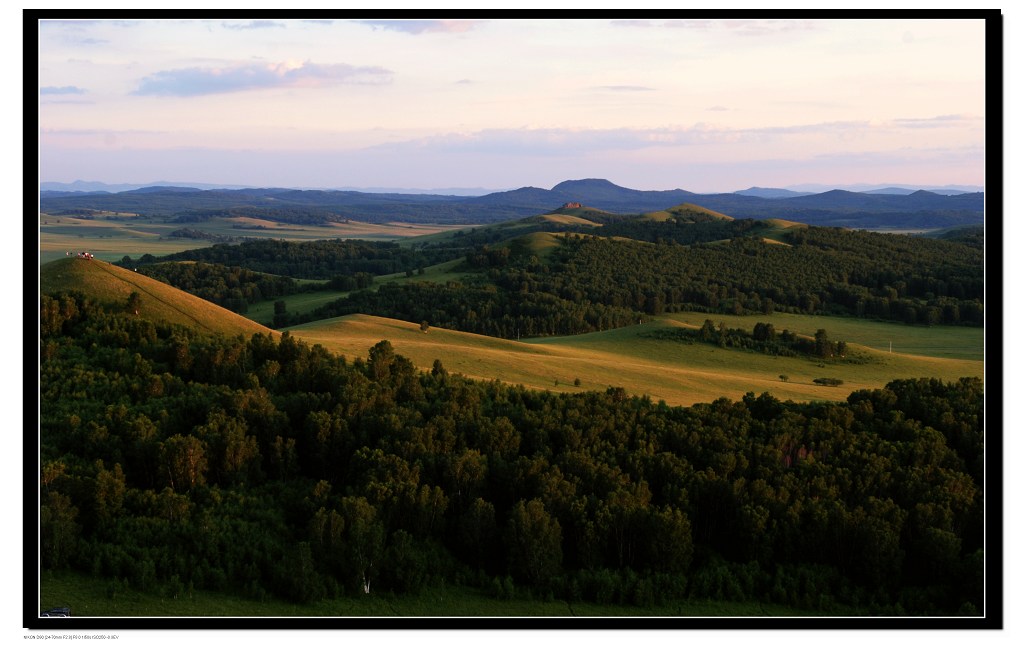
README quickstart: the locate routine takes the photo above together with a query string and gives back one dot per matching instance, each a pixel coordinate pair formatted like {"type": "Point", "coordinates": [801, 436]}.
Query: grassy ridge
{"type": "Point", "coordinates": [158, 301]}
{"type": "Point", "coordinates": [541, 243]}
{"type": "Point", "coordinates": [567, 219]}
{"type": "Point", "coordinates": [685, 212]}
{"type": "Point", "coordinates": [680, 374]}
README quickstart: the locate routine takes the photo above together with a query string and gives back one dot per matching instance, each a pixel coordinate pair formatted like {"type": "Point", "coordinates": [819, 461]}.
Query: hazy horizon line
{"type": "Point", "coordinates": [817, 187]}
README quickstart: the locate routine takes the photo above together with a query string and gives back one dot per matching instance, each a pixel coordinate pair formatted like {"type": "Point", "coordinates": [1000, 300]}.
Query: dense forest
{"type": "Point", "coordinates": [481, 309]}
{"type": "Point", "coordinates": [317, 259]}
{"type": "Point", "coordinates": [819, 270]}
{"type": "Point", "coordinates": [590, 282]}
{"type": "Point", "coordinates": [973, 236]}
{"type": "Point", "coordinates": [233, 288]}
{"type": "Point", "coordinates": [173, 461]}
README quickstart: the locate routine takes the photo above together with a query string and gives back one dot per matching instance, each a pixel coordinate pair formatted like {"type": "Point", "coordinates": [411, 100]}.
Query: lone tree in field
{"type": "Point", "coordinates": [784, 378]}
{"type": "Point", "coordinates": [280, 314]}
{"type": "Point", "coordinates": [424, 326]}
{"type": "Point", "coordinates": [822, 346]}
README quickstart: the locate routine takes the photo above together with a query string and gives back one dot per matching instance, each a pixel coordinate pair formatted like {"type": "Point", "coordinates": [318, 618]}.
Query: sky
{"type": "Point", "coordinates": [703, 105]}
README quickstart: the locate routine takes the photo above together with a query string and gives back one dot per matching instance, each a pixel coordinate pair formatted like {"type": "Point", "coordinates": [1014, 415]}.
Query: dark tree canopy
{"type": "Point", "coordinates": [268, 467]}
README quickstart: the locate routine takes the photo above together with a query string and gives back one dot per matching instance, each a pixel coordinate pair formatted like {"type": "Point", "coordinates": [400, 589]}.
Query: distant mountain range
{"type": "Point", "coordinates": [946, 189]}
{"type": "Point", "coordinates": [80, 186]}
{"type": "Point", "coordinates": [877, 209]}
{"type": "Point", "coordinates": [759, 192]}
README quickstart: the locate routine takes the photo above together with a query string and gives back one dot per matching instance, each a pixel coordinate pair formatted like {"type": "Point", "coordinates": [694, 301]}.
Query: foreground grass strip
{"type": "Point", "coordinates": [99, 597]}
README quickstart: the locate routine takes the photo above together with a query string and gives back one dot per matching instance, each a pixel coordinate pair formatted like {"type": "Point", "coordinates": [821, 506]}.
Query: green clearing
{"type": "Point", "coordinates": [440, 273]}
{"type": "Point", "coordinates": [776, 234]}
{"type": "Point", "coordinates": [540, 243]}
{"type": "Point", "coordinates": [952, 342]}
{"type": "Point", "coordinates": [678, 373]}
{"type": "Point", "coordinates": [112, 237]}
{"type": "Point", "coordinates": [307, 302]}
{"type": "Point", "coordinates": [301, 303]}
{"type": "Point", "coordinates": [98, 597]}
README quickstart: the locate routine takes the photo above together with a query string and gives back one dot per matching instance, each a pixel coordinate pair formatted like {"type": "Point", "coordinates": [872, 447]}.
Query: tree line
{"type": "Point", "coordinates": [477, 308]}
{"type": "Point", "coordinates": [590, 283]}
{"type": "Point", "coordinates": [233, 288]}
{"type": "Point", "coordinates": [762, 339]}
{"type": "Point", "coordinates": [317, 259]}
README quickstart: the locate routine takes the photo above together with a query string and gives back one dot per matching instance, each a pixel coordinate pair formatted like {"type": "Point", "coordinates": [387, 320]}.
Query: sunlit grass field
{"type": "Point", "coordinates": [678, 373]}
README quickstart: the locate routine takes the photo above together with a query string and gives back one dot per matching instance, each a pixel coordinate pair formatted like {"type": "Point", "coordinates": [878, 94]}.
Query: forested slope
{"type": "Point", "coordinates": [556, 276]}
{"type": "Point", "coordinates": [178, 460]}
{"type": "Point", "coordinates": [599, 280]}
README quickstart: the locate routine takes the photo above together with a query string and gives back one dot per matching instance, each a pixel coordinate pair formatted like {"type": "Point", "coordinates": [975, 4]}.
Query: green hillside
{"type": "Point", "coordinates": [685, 213]}
{"type": "Point", "coordinates": [567, 219]}
{"type": "Point", "coordinates": [589, 214]}
{"type": "Point", "coordinates": [158, 301]}
{"type": "Point", "coordinates": [540, 243]}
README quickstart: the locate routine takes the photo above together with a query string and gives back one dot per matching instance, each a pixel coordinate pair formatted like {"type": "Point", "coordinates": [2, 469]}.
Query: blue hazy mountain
{"type": "Point", "coordinates": [925, 209]}
{"type": "Point", "coordinates": [759, 192]}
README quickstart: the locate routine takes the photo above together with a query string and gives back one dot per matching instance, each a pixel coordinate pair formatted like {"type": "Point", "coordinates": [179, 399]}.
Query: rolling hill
{"type": "Point", "coordinates": [628, 357]}
{"type": "Point", "coordinates": [158, 301]}
{"type": "Point", "coordinates": [686, 212]}
{"type": "Point", "coordinates": [645, 365]}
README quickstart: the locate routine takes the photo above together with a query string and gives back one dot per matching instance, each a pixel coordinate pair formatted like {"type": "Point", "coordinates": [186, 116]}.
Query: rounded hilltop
{"type": "Point", "coordinates": [686, 212]}
{"type": "Point", "coordinates": [156, 301]}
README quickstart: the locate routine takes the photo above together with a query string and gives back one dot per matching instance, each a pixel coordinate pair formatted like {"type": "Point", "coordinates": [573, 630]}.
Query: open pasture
{"type": "Point", "coordinates": [679, 373]}
{"type": "Point", "coordinates": [112, 237]}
